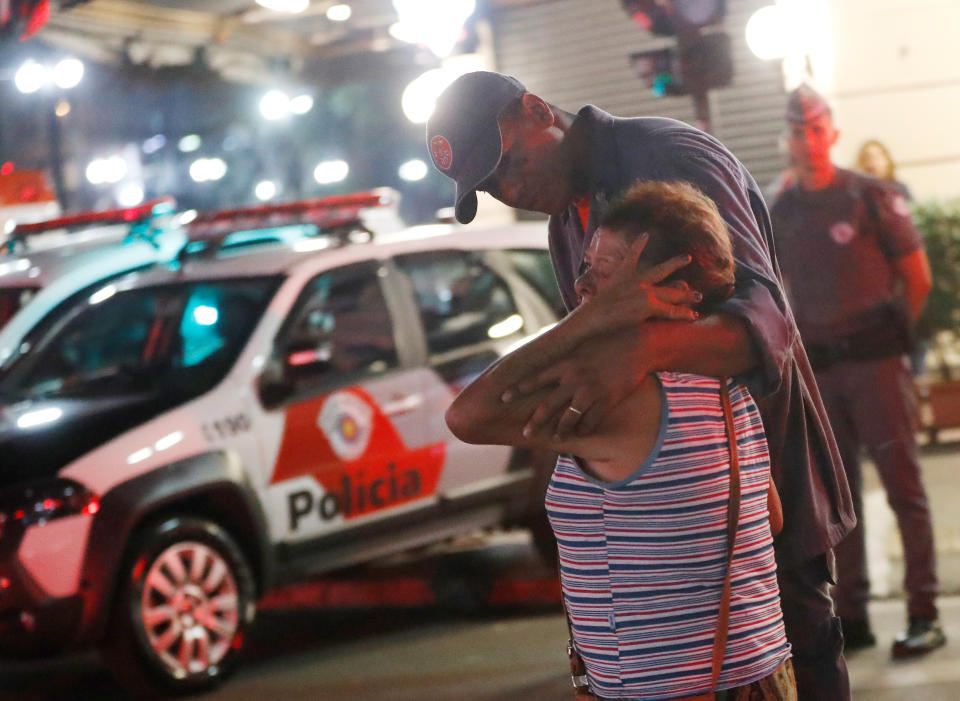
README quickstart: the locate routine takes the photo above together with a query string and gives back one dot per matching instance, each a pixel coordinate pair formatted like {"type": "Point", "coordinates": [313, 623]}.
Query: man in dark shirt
{"type": "Point", "coordinates": [488, 133]}
{"type": "Point", "coordinates": [857, 277]}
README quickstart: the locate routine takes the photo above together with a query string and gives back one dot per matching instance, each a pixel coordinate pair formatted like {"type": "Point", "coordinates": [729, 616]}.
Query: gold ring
{"type": "Point", "coordinates": [574, 410]}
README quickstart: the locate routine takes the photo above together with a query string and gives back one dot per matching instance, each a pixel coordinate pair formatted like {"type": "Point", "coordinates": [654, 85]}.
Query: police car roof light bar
{"type": "Point", "coordinates": [326, 212]}
{"type": "Point", "coordinates": [125, 215]}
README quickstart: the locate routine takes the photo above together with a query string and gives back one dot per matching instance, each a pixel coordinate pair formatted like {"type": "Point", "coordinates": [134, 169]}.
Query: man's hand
{"type": "Point", "coordinates": [592, 379]}
{"type": "Point", "coordinates": [631, 296]}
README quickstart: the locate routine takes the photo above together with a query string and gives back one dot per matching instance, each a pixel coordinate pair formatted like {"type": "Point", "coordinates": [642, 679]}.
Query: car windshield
{"type": "Point", "coordinates": [178, 339]}
{"type": "Point", "coordinates": [12, 300]}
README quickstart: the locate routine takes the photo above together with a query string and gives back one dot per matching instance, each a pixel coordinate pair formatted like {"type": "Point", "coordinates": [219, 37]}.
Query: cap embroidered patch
{"type": "Point", "coordinates": [441, 152]}
{"type": "Point", "coordinates": [841, 232]}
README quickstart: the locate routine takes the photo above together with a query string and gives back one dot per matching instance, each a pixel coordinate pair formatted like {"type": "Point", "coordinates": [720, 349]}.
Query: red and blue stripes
{"type": "Point", "coordinates": [642, 560]}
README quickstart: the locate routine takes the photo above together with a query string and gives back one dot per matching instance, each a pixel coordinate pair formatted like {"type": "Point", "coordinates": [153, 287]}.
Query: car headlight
{"type": "Point", "coordinates": [41, 502]}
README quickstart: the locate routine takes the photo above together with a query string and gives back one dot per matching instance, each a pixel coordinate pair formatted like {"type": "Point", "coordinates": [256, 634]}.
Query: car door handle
{"type": "Point", "coordinates": [400, 404]}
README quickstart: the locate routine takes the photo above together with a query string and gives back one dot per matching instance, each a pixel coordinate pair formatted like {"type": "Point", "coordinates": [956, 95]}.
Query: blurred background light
{"type": "Point", "coordinates": [154, 144]}
{"type": "Point", "coordinates": [265, 190]}
{"type": "Point", "coordinates": [329, 172]}
{"type": "Point", "coordinates": [189, 143]}
{"type": "Point", "coordinates": [62, 109]}
{"type": "Point", "coordinates": [68, 73]}
{"type": "Point", "coordinates": [339, 13]}
{"type": "Point", "coordinates": [188, 216]}
{"type": "Point", "coordinates": [767, 33]}
{"type": "Point", "coordinates": [301, 104]}
{"type": "Point", "coordinates": [103, 171]}
{"type": "Point", "coordinates": [289, 6]}
{"type": "Point", "coordinates": [30, 77]}
{"type": "Point", "coordinates": [275, 104]}
{"type": "Point", "coordinates": [413, 170]}
{"type": "Point", "coordinates": [207, 169]}
{"type": "Point", "coordinates": [436, 24]}
{"type": "Point", "coordinates": [130, 195]}
{"type": "Point", "coordinates": [420, 96]}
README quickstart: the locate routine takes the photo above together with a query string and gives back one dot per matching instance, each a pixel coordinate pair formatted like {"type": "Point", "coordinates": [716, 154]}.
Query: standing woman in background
{"type": "Point", "coordinates": [874, 159]}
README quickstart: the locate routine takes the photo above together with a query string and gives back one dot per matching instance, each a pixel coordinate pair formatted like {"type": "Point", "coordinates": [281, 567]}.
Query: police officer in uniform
{"type": "Point", "coordinates": [857, 276]}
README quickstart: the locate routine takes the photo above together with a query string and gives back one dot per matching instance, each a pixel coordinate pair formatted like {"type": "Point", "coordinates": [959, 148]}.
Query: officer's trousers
{"type": "Point", "coordinates": [871, 404]}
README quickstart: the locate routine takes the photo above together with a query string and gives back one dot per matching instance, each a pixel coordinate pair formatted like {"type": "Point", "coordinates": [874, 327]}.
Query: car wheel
{"type": "Point", "coordinates": [184, 602]}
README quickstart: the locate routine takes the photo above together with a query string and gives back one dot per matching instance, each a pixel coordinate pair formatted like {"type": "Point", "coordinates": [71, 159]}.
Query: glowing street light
{"type": "Point", "coordinates": [329, 172]}
{"type": "Point", "coordinates": [413, 170]}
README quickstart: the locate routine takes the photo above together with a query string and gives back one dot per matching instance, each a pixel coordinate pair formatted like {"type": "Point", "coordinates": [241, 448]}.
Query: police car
{"type": "Point", "coordinates": [184, 438]}
{"type": "Point", "coordinates": [44, 263]}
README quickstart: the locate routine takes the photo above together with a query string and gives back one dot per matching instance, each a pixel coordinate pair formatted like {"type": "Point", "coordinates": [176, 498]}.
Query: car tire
{"type": "Point", "coordinates": [184, 602]}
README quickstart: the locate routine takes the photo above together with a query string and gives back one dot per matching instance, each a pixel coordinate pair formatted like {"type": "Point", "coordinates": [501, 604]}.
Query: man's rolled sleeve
{"type": "Point", "coordinates": [767, 322]}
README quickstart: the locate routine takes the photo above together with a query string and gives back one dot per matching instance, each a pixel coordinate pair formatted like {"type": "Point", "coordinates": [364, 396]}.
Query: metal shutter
{"type": "Point", "coordinates": [574, 52]}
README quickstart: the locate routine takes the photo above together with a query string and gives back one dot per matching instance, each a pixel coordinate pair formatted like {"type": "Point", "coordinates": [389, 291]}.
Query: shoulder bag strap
{"type": "Point", "coordinates": [578, 672]}
{"type": "Point", "coordinates": [733, 518]}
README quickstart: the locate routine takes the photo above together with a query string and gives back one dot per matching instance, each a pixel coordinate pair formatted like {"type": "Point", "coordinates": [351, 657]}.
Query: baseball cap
{"type": "Point", "coordinates": [804, 104]}
{"type": "Point", "coordinates": [463, 136]}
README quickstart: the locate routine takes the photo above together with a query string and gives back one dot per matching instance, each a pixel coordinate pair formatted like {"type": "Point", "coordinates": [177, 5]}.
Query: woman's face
{"type": "Point", "coordinates": [608, 250]}
{"type": "Point", "coordinates": [875, 161]}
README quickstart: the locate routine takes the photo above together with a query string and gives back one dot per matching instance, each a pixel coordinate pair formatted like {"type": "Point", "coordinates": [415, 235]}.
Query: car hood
{"type": "Point", "coordinates": [40, 437]}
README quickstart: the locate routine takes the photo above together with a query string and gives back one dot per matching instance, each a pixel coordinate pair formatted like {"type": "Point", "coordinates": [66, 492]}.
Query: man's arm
{"type": "Point", "coordinates": [595, 377]}
{"type": "Point", "coordinates": [913, 272]}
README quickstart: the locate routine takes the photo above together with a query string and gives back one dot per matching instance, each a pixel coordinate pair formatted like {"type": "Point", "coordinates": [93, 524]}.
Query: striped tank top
{"type": "Point", "coordinates": [642, 560]}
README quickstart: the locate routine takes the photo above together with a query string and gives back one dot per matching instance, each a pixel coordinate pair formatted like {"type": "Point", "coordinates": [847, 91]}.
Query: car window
{"type": "Point", "coordinates": [462, 302]}
{"type": "Point", "coordinates": [340, 326]}
{"type": "Point", "coordinates": [536, 268]}
{"type": "Point", "coordinates": [179, 339]}
{"type": "Point", "coordinates": [12, 300]}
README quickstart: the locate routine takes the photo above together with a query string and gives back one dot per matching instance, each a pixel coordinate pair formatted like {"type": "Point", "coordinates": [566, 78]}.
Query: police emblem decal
{"type": "Point", "coordinates": [841, 232]}
{"type": "Point", "coordinates": [899, 205]}
{"type": "Point", "coordinates": [441, 151]}
{"type": "Point", "coordinates": [346, 421]}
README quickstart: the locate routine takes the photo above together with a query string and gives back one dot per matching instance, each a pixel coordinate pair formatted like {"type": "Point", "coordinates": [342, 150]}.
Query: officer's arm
{"type": "Point", "coordinates": [913, 272]}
